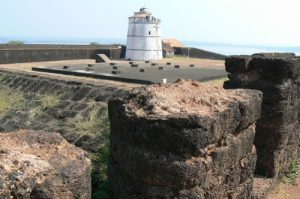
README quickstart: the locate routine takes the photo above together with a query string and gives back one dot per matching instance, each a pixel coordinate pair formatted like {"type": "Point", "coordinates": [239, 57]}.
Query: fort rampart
{"type": "Point", "coordinates": [34, 53]}
{"type": "Point", "coordinates": [178, 140]}
{"type": "Point", "coordinates": [277, 76]}
{"type": "Point", "coordinates": [197, 53]}
{"type": "Point", "coordinates": [183, 140]}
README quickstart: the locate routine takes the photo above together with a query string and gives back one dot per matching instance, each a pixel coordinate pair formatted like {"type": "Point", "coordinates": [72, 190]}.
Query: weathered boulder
{"type": "Point", "coordinates": [183, 140]}
{"type": "Point", "coordinates": [38, 164]}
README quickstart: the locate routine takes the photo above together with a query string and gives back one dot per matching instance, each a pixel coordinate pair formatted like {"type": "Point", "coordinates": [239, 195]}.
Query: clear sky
{"type": "Point", "coordinates": [257, 22]}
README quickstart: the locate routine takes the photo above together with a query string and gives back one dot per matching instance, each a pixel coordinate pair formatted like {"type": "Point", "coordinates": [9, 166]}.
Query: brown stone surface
{"type": "Point", "coordinates": [183, 140]}
{"type": "Point", "coordinates": [184, 97]}
{"type": "Point", "coordinates": [36, 164]}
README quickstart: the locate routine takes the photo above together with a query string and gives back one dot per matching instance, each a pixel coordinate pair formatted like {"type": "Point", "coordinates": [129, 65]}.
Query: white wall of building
{"type": "Point", "coordinates": [143, 38]}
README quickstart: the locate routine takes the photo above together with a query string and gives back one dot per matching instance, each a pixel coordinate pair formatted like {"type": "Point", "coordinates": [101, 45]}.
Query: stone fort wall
{"type": "Point", "coordinates": [156, 153]}
{"type": "Point", "coordinates": [277, 76]}
{"type": "Point", "coordinates": [34, 53]}
{"type": "Point", "coordinates": [161, 147]}
{"type": "Point", "coordinates": [164, 147]}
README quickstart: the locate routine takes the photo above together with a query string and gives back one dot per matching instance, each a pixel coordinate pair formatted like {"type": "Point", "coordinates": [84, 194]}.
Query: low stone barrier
{"type": "Point", "coordinates": [277, 132]}
{"type": "Point", "coordinates": [183, 140]}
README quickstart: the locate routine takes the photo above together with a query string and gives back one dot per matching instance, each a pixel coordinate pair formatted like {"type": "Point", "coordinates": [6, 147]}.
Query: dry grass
{"type": "Point", "coordinates": [49, 101]}
{"type": "Point", "coordinates": [95, 124]}
{"type": "Point", "coordinates": [45, 101]}
{"type": "Point", "coordinates": [9, 99]}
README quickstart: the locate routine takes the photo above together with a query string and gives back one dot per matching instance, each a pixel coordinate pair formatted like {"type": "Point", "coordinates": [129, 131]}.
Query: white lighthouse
{"type": "Point", "coordinates": [144, 37]}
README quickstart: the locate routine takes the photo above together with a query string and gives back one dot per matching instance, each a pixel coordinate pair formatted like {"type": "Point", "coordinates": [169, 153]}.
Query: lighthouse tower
{"type": "Point", "coordinates": [144, 37]}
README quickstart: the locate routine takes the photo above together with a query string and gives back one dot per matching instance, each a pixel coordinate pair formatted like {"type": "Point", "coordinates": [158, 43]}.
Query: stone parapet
{"type": "Point", "coordinates": [277, 131]}
{"type": "Point", "coordinates": [183, 140]}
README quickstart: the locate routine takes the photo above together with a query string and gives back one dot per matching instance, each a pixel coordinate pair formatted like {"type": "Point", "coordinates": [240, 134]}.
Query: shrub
{"type": "Point", "coordinates": [97, 123]}
{"type": "Point", "coordinates": [15, 42]}
{"type": "Point", "coordinates": [293, 173]}
{"type": "Point", "coordinates": [49, 101]}
{"type": "Point", "coordinates": [45, 101]}
{"type": "Point", "coordinates": [94, 43]}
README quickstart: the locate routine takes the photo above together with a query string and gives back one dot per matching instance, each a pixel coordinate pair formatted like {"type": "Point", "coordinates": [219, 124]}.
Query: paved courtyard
{"type": "Point", "coordinates": [137, 72]}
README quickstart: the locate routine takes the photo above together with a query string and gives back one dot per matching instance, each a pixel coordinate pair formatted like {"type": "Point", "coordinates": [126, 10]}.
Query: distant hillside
{"type": "Point", "coordinates": [198, 53]}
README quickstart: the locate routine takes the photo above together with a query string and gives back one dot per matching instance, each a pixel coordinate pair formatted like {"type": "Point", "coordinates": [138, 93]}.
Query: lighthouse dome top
{"type": "Point", "coordinates": [143, 16]}
{"type": "Point", "coordinates": [144, 9]}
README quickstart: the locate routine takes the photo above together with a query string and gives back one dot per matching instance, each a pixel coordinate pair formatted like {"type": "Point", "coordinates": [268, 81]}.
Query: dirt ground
{"type": "Point", "coordinates": [29, 65]}
{"type": "Point", "coordinates": [286, 191]}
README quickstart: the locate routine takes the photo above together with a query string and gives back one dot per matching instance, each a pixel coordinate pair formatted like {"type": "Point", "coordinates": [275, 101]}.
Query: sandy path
{"type": "Point", "coordinates": [29, 65]}
{"type": "Point", "coordinates": [286, 191]}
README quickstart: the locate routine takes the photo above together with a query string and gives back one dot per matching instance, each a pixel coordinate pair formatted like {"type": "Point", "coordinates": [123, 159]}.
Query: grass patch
{"type": "Point", "coordinates": [9, 99]}
{"type": "Point", "coordinates": [45, 101]}
{"type": "Point", "coordinates": [97, 123]}
{"type": "Point", "coordinates": [49, 101]}
{"type": "Point", "coordinates": [100, 186]}
{"type": "Point", "coordinates": [2, 77]}
{"type": "Point", "coordinates": [292, 176]}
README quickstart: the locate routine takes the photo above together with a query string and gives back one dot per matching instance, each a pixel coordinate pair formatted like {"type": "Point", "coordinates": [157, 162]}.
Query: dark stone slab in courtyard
{"type": "Point", "coordinates": [127, 73]}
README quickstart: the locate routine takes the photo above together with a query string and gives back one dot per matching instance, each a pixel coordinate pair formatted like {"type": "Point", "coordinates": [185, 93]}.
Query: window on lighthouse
{"type": "Point", "coordinates": [149, 32]}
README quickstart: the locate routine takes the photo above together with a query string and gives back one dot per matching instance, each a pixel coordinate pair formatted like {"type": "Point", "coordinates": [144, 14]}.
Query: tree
{"type": "Point", "coordinates": [15, 42]}
{"type": "Point", "coordinates": [94, 43]}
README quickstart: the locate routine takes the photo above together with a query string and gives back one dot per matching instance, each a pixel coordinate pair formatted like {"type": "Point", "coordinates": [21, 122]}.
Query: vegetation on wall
{"type": "Point", "coordinates": [293, 174]}
{"type": "Point", "coordinates": [94, 43]}
{"type": "Point", "coordinates": [49, 101]}
{"type": "Point", "coordinates": [15, 42]}
{"type": "Point", "coordinates": [97, 123]}
{"type": "Point", "coordinates": [9, 99]}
